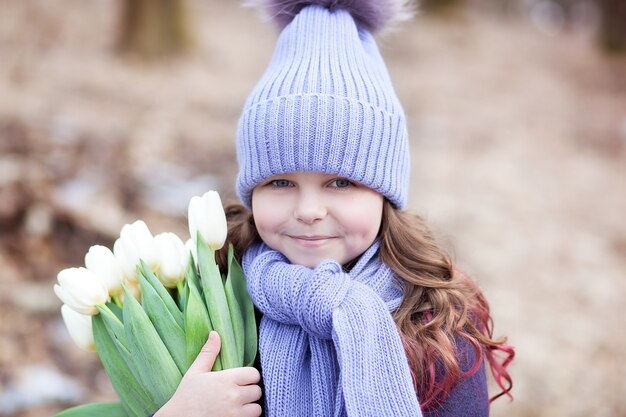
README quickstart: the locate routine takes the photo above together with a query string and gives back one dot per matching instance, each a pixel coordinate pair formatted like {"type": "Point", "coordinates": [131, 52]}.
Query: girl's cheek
{"type": "Point", "coordinates": [266, 213]}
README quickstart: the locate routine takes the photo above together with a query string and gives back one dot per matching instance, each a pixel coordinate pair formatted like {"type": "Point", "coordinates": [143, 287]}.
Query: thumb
{"type": "Point", "coordinates": [206, 357]}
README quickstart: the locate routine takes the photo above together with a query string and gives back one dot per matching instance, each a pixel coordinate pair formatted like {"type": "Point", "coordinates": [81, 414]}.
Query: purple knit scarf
{"type": "Point", "coordinates": [328, 344]}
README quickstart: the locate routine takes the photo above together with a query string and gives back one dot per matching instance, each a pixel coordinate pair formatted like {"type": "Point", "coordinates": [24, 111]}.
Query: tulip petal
{"type": "Point", "coordinates": [215, 220]}
{"type": "Point", "coordinates": [135, 243]}
{"type": "Point", "coordinates": [173, 259]}
{"type": "Point", "coordinates": [79, 328]}
{"type": "Point", "coordinates": [206, 215]}
{"type": "Point", "coordinates": [103, 263]}
{"type": "Point", "coordinates": [82, 290]}
{"type": "Point", "coordinates": [127, 255]}
{"type": "Point", "coordinates": [194, 215]}
{"type": "Point", "coordinates": [69, 300]}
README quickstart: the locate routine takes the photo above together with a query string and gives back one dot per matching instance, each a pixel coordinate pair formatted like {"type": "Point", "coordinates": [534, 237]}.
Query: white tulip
{"type": "Point", "coordinates": [193, 249]}
{"type": "Point", "coordinates": [81, 290]}
{"type": "Point", "coordinates": [79, 328]}
{"type": "Point", "coordinates": [206, 215]}
{"type": "Point", "coordinates": [102, 262]}
{"type": "Point", "coordinates": [127, 259]}
{"type": "Point", "coordinates": [174, 259]}
{"type": "Point", "coordinates": [135, 243]}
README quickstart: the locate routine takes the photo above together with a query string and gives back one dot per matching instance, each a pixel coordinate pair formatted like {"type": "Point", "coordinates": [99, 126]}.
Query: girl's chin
{"type": "Point", "coordinates": [310, 261]}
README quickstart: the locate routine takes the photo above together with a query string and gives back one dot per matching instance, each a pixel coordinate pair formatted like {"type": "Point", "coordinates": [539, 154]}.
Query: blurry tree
{"type": "Point", "coordinates": [154, 29]}
{"type": "Point", "coordinates": [613, 30]}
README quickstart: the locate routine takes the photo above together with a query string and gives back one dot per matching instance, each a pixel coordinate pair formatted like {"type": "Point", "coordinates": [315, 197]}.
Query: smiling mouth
{"type": "Point", "coordinates": [311, 238]}
{"type": "Point", "coordinates": [311, 241]}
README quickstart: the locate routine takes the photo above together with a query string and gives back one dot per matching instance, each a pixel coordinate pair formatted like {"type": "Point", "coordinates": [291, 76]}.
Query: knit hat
{"type": "Point", "coordinates": [326, 103]}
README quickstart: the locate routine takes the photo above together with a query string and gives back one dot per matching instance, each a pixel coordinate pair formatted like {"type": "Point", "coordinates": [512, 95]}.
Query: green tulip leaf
{"type": "Point", "coordinates": [108, 409]}
{"type": "Point", "coordinates": [166, 326]}
{"type": "Point", "coordinates": [181, 297]}
{"type": "Point", "coordinates": [234, 308]}
{"type": "Point", "coordinates": [237, 281]}
{"type": "Point", "coordinates": [192, 275]}
{"type": "Point", "coordinates": [154, 363]}
{"type": "Point", "coordinates": [135, 363]}
{"type": "Point", "coordinates": [217, 303]}
{"type": "Point", "coordinates": [115, 309]}
{"type": "Point", "coordinates": [197, 326]}
{"type": "Point", "coordinates": [114, 324]}
{"type": "Point", "coordinates": [163, 293]}
{"type": "Point", "coordinates": [136, 399]}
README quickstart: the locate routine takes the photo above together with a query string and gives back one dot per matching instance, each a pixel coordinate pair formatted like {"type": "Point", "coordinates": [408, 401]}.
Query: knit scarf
{"type": "Point", "coordinates": [328, 343]}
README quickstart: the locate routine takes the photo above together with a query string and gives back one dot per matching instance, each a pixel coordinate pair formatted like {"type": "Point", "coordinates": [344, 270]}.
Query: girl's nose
{"type": "Point", "coordinates": [309, 208]}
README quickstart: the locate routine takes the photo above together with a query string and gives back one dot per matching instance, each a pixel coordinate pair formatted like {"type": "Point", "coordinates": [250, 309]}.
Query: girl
{"type": "Point", "coordinates": [363, 314]}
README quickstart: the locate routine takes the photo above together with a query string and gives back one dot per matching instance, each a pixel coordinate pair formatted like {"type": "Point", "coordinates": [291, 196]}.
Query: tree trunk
{"type": "Point", "coordinates": [154, 29]}
{"type": "Point", "coordinates": [613, 30]}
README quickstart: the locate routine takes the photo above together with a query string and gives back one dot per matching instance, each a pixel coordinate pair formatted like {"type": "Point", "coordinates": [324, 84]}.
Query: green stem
{"type": "Point", "coordinates": [117, 301]}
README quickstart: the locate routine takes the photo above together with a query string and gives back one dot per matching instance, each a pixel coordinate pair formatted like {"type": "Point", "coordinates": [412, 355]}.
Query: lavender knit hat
{"type": "Point", "coordinates": [326, 102]}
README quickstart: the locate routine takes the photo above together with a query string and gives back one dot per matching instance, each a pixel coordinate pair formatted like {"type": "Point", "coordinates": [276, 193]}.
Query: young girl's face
{"type": "Point", "coordinates": [310, 217]}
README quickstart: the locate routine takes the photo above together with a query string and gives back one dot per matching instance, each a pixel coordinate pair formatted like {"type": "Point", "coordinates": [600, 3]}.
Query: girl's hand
{"type": "Point", "coordinates": [228, 393]}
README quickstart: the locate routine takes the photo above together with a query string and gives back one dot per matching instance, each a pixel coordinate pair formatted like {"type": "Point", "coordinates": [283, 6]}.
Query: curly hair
{"type": "Point", "coordinates": [440, 304]}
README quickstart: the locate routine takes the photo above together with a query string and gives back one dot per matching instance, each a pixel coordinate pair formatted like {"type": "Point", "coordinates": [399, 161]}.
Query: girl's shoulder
{"type": "Point", "coordinates": [469, 397]}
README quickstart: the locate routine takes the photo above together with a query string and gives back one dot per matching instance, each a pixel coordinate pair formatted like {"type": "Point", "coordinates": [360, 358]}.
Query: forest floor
{"type": "Point", "coordinates": [518, 145]}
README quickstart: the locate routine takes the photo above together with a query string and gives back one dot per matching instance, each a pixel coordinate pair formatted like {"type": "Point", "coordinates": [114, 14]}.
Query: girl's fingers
{"type": "Point", "coordinates": [244, 376]}
{"type": "Point", "coordinates": [249, 393]}
{"type": "Point", "coordinates": [205, 359]}
{"type": "Point", "coordinates": [251, 410]}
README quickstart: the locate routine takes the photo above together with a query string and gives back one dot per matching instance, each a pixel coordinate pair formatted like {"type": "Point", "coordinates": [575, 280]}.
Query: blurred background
{"type": "Point", "coordinates": [114, 110]}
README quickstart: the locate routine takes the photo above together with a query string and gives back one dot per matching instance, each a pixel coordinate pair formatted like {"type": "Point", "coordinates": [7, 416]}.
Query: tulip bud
{"type": "Point", "coordinates": [102, 262]}
{"type": "Point", "coordinates": [135, 243]}
{"type": "Point", "coordinates": [191, 247]}
{"type": "Point", "coordinates": [79, 328]}
{"type": "Point", "coordinates": [81, 290]}
{"type": "Point", "coordinates": [206, 215]}
{"type": "Point", "coordinates": [174, 258]}
{"type": "Point", "coordinates": [126, 259]}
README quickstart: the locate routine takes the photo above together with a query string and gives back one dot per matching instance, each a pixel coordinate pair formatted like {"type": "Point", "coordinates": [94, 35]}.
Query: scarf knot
{"type": "Point", "coordinates": [310, 299]}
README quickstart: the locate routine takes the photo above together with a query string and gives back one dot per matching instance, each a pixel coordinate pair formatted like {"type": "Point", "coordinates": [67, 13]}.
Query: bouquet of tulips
{"type": "Point", "coordinates": [147, 308]}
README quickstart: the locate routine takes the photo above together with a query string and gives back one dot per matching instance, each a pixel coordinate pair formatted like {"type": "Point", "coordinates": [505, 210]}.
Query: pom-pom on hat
{"type": "Point", "coordinates": [326, 103]}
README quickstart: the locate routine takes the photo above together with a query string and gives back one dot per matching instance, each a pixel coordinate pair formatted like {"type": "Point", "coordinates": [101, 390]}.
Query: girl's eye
{"type": "Point", "coordinates": [341, 183]}
{"type": "Point", "coordinates": [280, 183]}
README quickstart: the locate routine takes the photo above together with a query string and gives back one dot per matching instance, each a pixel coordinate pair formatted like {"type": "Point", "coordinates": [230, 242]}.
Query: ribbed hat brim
{"type": "Point", "coordinates": [360, 142]}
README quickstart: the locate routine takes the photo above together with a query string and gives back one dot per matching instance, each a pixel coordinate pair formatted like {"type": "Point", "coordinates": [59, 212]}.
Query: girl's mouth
{"type": "Point", "coordinates": [311, 240]}
{"type": "Point", "coordinates": [311, 237]}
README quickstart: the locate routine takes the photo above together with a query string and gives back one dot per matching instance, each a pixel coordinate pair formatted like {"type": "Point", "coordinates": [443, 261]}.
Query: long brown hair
{"type": "Point", "coordinates": [440, 303]}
